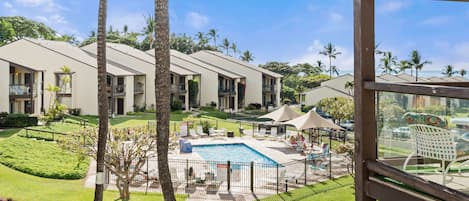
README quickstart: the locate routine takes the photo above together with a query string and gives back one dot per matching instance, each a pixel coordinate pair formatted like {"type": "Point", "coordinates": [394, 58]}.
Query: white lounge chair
{"type": "Point", "coordinates": [435, 143]}
{"type": "Point", "coordinates": [273, 132]}
{"type": "Point", "coordinates": [263, 132]}
{"type": "Point", "coordinates": [174, 176]}
{"type": "Point", "coordinates": [200, 131]}
{"type": "Point", "coordinates": [192, 133]}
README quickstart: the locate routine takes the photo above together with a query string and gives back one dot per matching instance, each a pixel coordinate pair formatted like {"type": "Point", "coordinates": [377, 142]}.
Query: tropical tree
{"type": "Point", "coordinates": [320, 65]}
{"type": "Point", "coordinates": [307, 69]}
{"type": "Point", "coordinates": [7, 33]}
{"type": "Point", "coordinates": [234, 48]}
{"type": "Point", "coordinates": [182, 43]}
{"type": "Point", "coordinates": [149, 30]}
{"type": "Point", "coordinates": [449, 71]}
{"type": "Point", "coordinates": [334, 70]}
{"type": "Point", "coordinates": [162, 94]}
{"type": "Point", "coordinates": [212, 33]}
{"type": "Point", "coordinates": [300, 90]}
{"type": "Point", "coordinates": [247, 56]}
{"type": "Point", "coordinates": [339, 108]}
{"type": "Point", "coordinates": [26, 28]}
{"type": "Point", "coordinates": [388, 63]}
{"type": "Point", "coordinates": [349, 87]}
{"type": "Point", "coordinates": [225, 45]}
{"type": "Point", "coordinates": [102, 101]}
{"type": "Point", "coordinates": [462, 72]}
{"type": "Point", "coordinates": [202, 41]}
{"type": "Point", "coordinates": [417, 63]}
{"type": "Point", "coordinates": [279, 67]}
{"type": "Point", "coordinates": [331, 52]}
{"type": "Point", "coordinates": [404, 65]}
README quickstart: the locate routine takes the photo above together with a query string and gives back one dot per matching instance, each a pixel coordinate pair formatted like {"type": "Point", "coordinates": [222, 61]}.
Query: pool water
{"type": "Point", "coordinates": [232, 152]}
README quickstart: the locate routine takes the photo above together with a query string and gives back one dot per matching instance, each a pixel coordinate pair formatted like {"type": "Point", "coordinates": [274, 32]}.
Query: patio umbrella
{"type": "Point", "coordinates": [282, 114]}
{"type": "Point", "coordinates": [312, 120]}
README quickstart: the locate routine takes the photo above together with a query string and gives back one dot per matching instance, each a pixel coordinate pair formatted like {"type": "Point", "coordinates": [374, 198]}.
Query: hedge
{"type": "Point", "coordinates": [17, 120]}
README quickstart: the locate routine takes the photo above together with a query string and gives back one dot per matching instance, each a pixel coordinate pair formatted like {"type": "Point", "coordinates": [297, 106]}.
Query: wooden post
{"type": "Point", "coordinates": [228, 175]}
{"type": "Point", "coordinates": [364, 70]}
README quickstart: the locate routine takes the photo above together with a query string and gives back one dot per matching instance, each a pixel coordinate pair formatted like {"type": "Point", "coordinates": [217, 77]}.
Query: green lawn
{"type": "Point", "coordinates": [24, 187]}
{"type": "Point", "coordinates": [334, 190]}
{"type": "Point", "coordinates": [41, 158]}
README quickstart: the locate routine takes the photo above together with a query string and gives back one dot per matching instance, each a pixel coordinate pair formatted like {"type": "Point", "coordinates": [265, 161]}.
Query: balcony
{"type": "Point", "coordinates": [65, 91]}
{"type": "Point", "coordinates": [138, 89]}
{"type": "Point", "coordinates": [269, 89]}
{"type": "Point", "coordinates": [119, 90]}
{"type": "Point", "coordinates": [21, 90]}
{"type": "Point", "coordinates": [226, 91]}
{"type": "Point", "coordinates": [178, 89]}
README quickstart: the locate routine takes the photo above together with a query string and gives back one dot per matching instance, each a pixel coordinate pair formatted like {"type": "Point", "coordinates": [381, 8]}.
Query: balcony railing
{"type": "Point", "coordinates": [226, 91]}
{"type": "Point", "coordinates": [138, 90]}
{"type": "Point", "coordinates": [119, 90]}
{"type": "Point", "coordinates": [269, 88]}
{"type": "Point", "coordinates": [22, 90]}
{"type": "Point", "coordinates": [65, 91]}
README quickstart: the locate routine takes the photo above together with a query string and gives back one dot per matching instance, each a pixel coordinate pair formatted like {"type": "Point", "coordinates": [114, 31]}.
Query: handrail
{"type": "Point", "coordinates": [428, 187]}
{"type": "Point", "coordinates": [419, 89]}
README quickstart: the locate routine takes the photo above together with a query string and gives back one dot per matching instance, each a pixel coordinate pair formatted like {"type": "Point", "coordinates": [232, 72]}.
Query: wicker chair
{"type": "Point", "coordinates": [435, 143]}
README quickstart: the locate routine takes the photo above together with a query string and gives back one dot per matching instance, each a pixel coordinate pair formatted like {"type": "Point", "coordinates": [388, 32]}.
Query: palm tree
{"type": "Point", "coordinates": [404, 65]}
{"type": "Point", "coordinates": [334, 70]}
{"type": "Point", "coordinates": [247, 56]}
{"type": "Point", "coordinates": [331, 52]}
{"type": "Point", "coordinates": [202, 40]}
{"type": "Point", "coordinates": [225, 45]}
{"type": "Point", "coordinates": [149, 30]}
{"type": "Point", "coordinates": [102, 101]}
{"type": "Point", "coordinates": [234, 47]}
{"type": "Point", "coordinates": [349, 87]}
{"type": "Point", "coordinates": [125, 29]}
{"type": "Point", "coordinates": [320, 65]}
{"type": "Point", "coordinates": [162, 95]}
{"type": "Point", "coordinates": [214, 35]}
{"type": "Point", "coordinates": [449, 71]}
{"type": "Point", "coordinates": [462, 72]}
{"type": "Point", "coordinates": [388, 63]}
{"type": "Point", "coordinates": [415, 61]}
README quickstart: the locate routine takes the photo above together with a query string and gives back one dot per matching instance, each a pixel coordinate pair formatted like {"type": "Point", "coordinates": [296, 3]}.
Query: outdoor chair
{"type": "Point", "coordinates": [319, 156]}
{"type": "Point", "coordinates": [436, 143]}
{"type": "Point", "coordinates": [174, 177]}
{"type": "Point", "coordinates": [192, 133]}
{"type": "Point", "coordinates": [273, 132]}
{"type": "Point", "coordinates": [200, 131]}
{"type": "Point", "coordinates": [263, 132]}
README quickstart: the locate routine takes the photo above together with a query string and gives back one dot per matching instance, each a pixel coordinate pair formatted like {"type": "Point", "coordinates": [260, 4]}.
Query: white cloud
{"type": "Point", "coordinates": [134, 21]}
{"type": "Point", "coordinates": [33, 3]}
{"type": "Point", "coordinates": [391, 6]}
{"type": "Point", "coordinates": [42, 19]}
{"type": "Point", "coordinates": [59, 19]}
{"type": "Point", "coordinates": [436, 20]}
{"type": "Point", "coordinates": [343, 61]}
{"type": "Point", "coordinates": [335, 17]}
{"type": "Point", "coordinates": [7, 5]}
{"type": "Point", "coordinates": [197, 20]}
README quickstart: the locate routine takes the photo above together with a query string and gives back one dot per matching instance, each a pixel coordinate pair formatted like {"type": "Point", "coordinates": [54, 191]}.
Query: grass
{"type": "Point", "coordinates": [42, 158]}
{"type": "Point", "coordinates": [23, 187]}
{"type": "Point", "coordinates": [9, 132]}
{"type": "Point", "coordinates": [339, 189]}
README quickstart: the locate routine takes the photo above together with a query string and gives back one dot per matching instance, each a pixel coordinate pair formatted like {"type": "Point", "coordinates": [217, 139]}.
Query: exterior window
{"type": "Point", "coordinates": [28, 79]}
{"type": "Point", "coordinates": [64, 82]}
{"type": "Point", "coordinates": [28, 107]}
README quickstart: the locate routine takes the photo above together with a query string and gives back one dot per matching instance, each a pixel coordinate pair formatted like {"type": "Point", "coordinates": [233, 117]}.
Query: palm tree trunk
{"type": "Point", "coordinates": [102, 101]}
{"type": "Point", "coordinates": [416, 75]}
{"type": "Point", "coordinates": [162, 94]}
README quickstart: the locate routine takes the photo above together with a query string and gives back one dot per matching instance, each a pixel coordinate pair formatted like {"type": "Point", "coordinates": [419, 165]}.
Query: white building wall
{"type": "Point", "coordinates": [4, 86]}
{"type": "Point", "coordinates": [314, 96]}
{"type": "Point", "coordinates": [129, 97]}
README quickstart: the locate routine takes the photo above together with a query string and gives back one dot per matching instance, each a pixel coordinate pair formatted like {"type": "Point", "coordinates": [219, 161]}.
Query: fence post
{"type": "Point", "coordinates": [148, 175]}
{"type": "Point", "coordinates": [186, 173]}
{"type": "Point", "coordinates": [228, 175]}
{"type": "Point", "coordinates": [306, 170]}
{"type": "Point", "coordinates": [277, 178]}
{"type": "Point", "coordinates": [252, 176]}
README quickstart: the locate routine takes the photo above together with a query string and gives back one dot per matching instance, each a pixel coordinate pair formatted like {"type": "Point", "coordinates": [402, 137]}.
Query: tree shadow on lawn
{"type": "Point", "coordinates": [6, 133]}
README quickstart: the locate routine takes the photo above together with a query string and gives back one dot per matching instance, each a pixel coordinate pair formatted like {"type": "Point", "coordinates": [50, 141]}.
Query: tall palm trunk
{"type": "Point", "coordinates": [330, 67]}
{"type": "Point", "coordinates": [416, 75]}
{"type": "Point", "coordinates": [162, 80]}
{"type": "Point", "coordinates": [102, 101]}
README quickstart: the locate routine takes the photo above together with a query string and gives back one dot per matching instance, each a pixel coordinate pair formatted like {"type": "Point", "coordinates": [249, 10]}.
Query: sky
{"type": "Point", "coordinates": [280, 30]}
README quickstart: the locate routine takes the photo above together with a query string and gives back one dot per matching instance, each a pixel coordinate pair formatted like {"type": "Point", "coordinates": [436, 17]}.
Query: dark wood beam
{"type": "Point", "coordinates": [384, 191]}
{"type": "Point", "coordinates": [450, 84]}
{"type": "Point", "coordinates": [431, 188]}
{"type": "Point", "coordinates": [365, 120]}
{"type": "Point", "coordinates": [419, 89]}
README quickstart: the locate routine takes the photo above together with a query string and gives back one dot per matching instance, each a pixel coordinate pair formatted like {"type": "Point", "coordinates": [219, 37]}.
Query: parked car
{"type": "Point", "coordinates": [401, 132]}
{"type": "Point", "coordinates": [347, 125]}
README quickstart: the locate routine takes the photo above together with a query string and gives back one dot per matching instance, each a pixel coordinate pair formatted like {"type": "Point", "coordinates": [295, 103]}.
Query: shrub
{"type": "Point", "coordinates": [286, 101]}
{"type": "Point", "coordinates": [41, 158]}
{"type": "Point", "coordinates": [205, 126]}
{"type": "Point", "coordinates": [208, 111]}
{"type": "Point", "coordinates": [176, 105]}
{"type": "Point", "coordinates": [254, 106]}
{"type": "Point", "coordinates": [17, 120]}
{"type": "Point", "coordinates": [74, 111]}
{"type": "Point", "coordinates": [307, 108]}
{"type": "Point", "coordinates": [213, 104]}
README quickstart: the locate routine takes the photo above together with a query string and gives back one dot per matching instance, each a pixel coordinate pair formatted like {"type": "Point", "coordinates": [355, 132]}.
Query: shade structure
{"type": "Point", "coordinates": [311, 120]}
{"type": "Point", "coordinates": [282, 114]}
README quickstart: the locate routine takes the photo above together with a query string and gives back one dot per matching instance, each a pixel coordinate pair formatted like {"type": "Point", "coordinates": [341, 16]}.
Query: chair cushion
{"type": "Point", "coordinates": [424, 118]}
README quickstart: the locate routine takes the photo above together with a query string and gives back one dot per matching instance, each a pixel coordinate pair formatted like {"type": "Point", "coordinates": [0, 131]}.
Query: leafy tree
{"type": "Point", "coordinates": [247, 56]}
{"type": "Point", "coordinates": [149, 30]}
{"type": "Point", "coordinates": [103, 107]}
{"type": "Point", "coordinates": [388, 63]}
{"type": "Point", "coordinates": [312, 81]}
{"type": "Point", "coordinates": [279, 67]}
{"type": "Point", "coordinates": [68, 38]}
{"type": "Point", "coordinates": [349, 87]}
{"type": "Point", "coordinates": [56, 109]}
{"type": "Point", "coordinates": [162, 63]}
{"type": "Point", "coordinates": [7, 33]}
{"type": "Point", "coordinates": [288, 93]}
{"type": "Point", "coordinates": [404, 65]}
{"type": "Point", "coordinates": [234, 48]}
{"type": "Point", "coordinates": [182, 43]}
{"type": "Point", "coordinates": [193, 91]}
{"type": "Point", "coordinates": [213, 34]}
{"type": "Point", "coordinates": [307, 68]}
{"type": "Point", "coordinates": [462, 72]}
{"type": "Point", "coordinates": [449, 71]}
{"type": "Point", "coordinates": [226, 45]}
{"type": "Point", "coordinates": [417, 63]}
{"type": "Point", "coordinates": [339, 108]}
{"type": "Point", "coordinates": [24, 27]}
{"type": "Point", "coordinates": [331, 52]}
{"type": "Point", "coordinates": [126, 152]}
{"type": "Point", "coordinates": [320, 65]}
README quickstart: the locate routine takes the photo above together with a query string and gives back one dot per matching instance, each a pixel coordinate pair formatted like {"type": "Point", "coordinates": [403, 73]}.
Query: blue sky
{"type": "Point", "coordinates": [280, 30]}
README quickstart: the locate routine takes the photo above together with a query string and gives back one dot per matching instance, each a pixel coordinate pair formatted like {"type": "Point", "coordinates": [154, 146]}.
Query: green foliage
{"type": "Point", "coordinates": [254, 106]}
{"type": "Point", "coordinates": [339, 108]}
{"type": "Point", "coordinates": [307, 108]}
{"type": "Point", "coordinates": [279, 67]}
{"type": "Point", "coordinates": [176, 105]}
{"type": "Point", "coordinates": [24, 27]}
{"type": "Point", "coordinates": [7, 33]}
{"type": "Point", "coordinates": [17, 120]}
{"type": "Point", "coordinates": [214, 113]}
{"type": "Point", "coordinates": [40, 158]}
{"type": "Point", "coordinates": [182, 43]}
{"type": "Point", "coordinates": [193, 91]}
{"type": "Point", "coordinates": [205, 126]}
{"type": "Point", "coordinates": [312, 81]}
{"type": "Point", "coordinates": [432, 109]}
{"type": "Point", "coordinates": [288, 93]}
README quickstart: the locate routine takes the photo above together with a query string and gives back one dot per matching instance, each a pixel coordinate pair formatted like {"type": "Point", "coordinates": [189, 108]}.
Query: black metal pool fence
{"type": "Point", "coordinates": [232, 176]}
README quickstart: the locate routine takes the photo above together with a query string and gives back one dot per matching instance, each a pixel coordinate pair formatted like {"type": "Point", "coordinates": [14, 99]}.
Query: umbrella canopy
{"type": "Point", "coordinates": [312, 120]}
{"type": "Point", "coordinates": [284, 113]}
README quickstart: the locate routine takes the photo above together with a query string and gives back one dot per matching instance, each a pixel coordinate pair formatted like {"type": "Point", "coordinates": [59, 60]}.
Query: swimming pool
{"type": "Point", "coordinates": [238, 152]}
